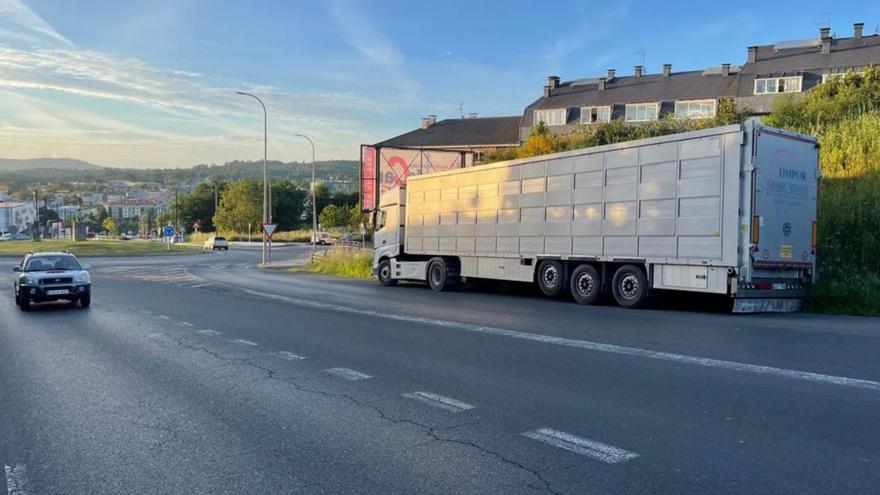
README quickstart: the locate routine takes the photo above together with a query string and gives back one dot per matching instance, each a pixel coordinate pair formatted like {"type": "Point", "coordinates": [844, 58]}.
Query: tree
{"type": "Point", "coordinates": [109, 225]}
{"type": "Point", "coordinates": [333, 216]}
{"type": "Point", "coordinates": [240, 205]}
{"type": "Point", "coordinates": [288, 204]}
{"type": "Point", "coordinates": [199, 205]}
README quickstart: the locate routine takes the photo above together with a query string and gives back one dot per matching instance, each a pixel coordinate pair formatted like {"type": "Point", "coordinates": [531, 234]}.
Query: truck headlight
{"type": "Point", "coordinates": [82, 278]}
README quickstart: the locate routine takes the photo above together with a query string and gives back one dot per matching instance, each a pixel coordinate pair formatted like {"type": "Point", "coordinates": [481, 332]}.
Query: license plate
{"type": "Point", "coordinates": [57, 292]}
{"type": "Point", "coordinates": [778, 286]}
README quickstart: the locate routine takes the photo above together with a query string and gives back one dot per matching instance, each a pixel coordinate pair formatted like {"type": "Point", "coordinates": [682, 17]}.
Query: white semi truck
{"type": "Point", "coordinates": [729, 210]}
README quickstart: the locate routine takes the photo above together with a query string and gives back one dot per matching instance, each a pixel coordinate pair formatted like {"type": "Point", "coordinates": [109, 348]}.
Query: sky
{"type": "Point", "coordinates": [153, 83]}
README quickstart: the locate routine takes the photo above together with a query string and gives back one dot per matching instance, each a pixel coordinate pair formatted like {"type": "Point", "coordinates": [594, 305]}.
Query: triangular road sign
{"type": "Point", "coordinates": [269, 228]}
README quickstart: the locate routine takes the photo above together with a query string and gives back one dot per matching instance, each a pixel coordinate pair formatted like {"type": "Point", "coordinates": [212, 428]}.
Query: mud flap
{"type": "Point", "coordinates": [758, 305]}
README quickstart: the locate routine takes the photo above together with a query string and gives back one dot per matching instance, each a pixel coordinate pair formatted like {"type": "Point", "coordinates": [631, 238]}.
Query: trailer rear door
{"type": "Point", "coordinates": [784, 201]}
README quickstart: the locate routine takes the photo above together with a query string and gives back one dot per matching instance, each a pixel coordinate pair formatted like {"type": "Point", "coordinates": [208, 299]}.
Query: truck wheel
{"type": "Point", "coordinates": [630, 287]}
{"type": "Point", "coordinates": [550, 277]}
{"type": "Point", "coordinates": [384, 273]}
{"type": "Point", "coordinates": [437, 273]}
{"type": "Point", "coordinates": [585, 286]}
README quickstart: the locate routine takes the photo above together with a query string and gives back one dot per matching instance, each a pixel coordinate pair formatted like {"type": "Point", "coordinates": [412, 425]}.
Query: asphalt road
{"type": "Point", "coordinates": [203, 374]}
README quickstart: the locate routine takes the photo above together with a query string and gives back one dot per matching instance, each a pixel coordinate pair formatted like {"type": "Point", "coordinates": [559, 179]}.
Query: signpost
{"type": "Point", "coordinates": [169, 235]}
{"type": "Point", "coordinates": [269, 229]}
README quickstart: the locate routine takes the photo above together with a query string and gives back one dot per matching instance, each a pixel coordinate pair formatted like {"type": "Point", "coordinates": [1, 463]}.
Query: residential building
{"type": "Point", "coordinates": [473, 133]}
{"type": "Point", "coordinates": [769, 71]}
{"type": "Point", "coordinates": [131, 208]}
{"type": "Point", "coordinates": [16, 217]}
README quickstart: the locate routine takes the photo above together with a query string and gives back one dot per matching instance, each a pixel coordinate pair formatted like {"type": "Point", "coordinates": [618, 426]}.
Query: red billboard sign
{"type": "Point", "coordinates": [368, 178]}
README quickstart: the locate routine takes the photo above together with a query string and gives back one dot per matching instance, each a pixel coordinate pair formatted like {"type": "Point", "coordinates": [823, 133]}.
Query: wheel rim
{"type": "Point", "coordinates": [584, 284]}
{"type": "Point", "coordinates": [436, 275]}
{"type": "Point", "coordinates": [385, 272]}
{"type": "Point", "coordinates": [550, 276]}
{"type": "Point", "coordinates": [629, 286]}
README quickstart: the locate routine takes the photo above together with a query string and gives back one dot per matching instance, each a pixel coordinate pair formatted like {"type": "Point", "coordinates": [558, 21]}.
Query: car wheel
{"type": "Point", "coordinates": [630, 287]}
{"type": "Point", "coordinates": [24, 303]}
{"type": "Point", "coordinates": [437, 273]}
{"type": "Point", "coordinates": [384, 273]}
{"type": "Point", "coordinates": [550, 277]}
{"type": "Point", "coordinates": [85, 301]}
{"type": "Point", "coordinates": [585, 285]}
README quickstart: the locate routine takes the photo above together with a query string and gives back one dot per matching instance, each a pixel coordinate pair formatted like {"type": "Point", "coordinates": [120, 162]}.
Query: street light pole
{"type": "Point", "coordinates": [267, 209]}
{"type": "Point", "coordinates": [314, 203]}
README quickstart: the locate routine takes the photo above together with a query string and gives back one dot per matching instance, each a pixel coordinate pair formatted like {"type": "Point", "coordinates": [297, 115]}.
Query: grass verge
{"type": "Point", "coordinates": [345, 263]}
{"type": "Point", "coordinates": [104, 247]}
{"type": "Point", "coordinates": [285, 236]}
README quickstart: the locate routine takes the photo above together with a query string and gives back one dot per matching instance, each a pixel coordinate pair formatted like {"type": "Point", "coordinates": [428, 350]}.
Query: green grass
{"type": "Point", "coordinates": [345, 263]}
{"type": "Point", "coordinates": [285, 236]}
{"type": "Point", "coordinates": [104, 247]}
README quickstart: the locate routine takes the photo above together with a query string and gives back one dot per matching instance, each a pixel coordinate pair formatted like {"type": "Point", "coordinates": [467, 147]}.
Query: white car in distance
{"type": "Point", "coordinates": [216, 242]}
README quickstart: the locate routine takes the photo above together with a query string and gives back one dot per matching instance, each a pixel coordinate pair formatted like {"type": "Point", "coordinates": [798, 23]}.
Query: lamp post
{"type": "Point", "coordinates": [267, 208]}
{"type": "Point", "coordinates": [314, 203]}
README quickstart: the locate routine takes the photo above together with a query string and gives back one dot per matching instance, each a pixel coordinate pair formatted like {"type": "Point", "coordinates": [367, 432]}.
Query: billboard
{"type": "Point", "coordinates": [385, 167]}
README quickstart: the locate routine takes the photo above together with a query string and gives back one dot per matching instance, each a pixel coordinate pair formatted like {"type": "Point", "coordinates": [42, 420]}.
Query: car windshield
{"type": "Point", "coordinates": [49, 263]}
{"type": "Point", "coordinates": [219, 238]}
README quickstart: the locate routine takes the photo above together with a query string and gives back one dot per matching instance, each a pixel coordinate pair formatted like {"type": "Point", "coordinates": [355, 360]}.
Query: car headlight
{"type": "Point", "coordinates": [28, 280]}
{"type": "Point", "coordinates": [82, 278]}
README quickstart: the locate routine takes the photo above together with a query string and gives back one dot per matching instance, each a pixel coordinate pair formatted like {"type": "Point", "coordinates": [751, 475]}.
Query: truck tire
{"type": "Point", "coordinates": [585, 284]}
{"type": "Point", "coordinates": [437, 274]}
{"type": "Point", "coordinates": [630, 287]}
{"type": "Point", "coordinates": [550, 277]}
{"type": "Point", "coordinates": [384, 273]}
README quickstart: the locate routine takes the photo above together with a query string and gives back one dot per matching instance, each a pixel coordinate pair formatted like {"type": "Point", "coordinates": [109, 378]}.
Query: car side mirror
{"type": "Point", "coordinates": [86, 267]}
{"type": "Point", "coordinates": [17, 269]}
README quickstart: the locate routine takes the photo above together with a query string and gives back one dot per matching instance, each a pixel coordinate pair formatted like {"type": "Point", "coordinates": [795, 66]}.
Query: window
{"type": "Point", "coordinates": [554, 116]}
{"type": "Point", "coordinates": [841, 75]}
{"type": "Point", "coordinates": [642, 112]}
{"type": "Point", "coordinates": [791, 84]}
{"type": "Point", "coordinates": [695, 109]}
{"type": "Point", "coordinates": [592, 115]}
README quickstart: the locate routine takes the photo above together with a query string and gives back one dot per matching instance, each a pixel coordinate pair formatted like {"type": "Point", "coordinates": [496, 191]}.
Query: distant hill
{"type": "Point", "coordinates": [10, 164]}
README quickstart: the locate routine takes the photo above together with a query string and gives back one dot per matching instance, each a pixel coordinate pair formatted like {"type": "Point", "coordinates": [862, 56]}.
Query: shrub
{"type": "Point", "coordinates": [353, 263]}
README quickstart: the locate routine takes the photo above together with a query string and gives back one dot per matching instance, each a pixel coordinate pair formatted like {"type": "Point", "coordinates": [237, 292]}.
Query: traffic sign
{"type": "Point", "coordinates": [169, 231]}
{"type": "Point", "coordinates": [269, 228]}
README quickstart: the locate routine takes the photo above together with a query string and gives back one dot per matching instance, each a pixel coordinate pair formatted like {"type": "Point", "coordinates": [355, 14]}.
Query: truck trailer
{"type": "Point", "coordinates": [729, 210]}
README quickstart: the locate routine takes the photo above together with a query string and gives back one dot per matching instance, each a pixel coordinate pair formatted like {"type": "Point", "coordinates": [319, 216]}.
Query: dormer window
{"type": "Point", "coordinates": [642, 112]}
{"type": "Point", "coordinates": [695, 109]}
{"type": "Point", "coordinates": [552, 116]}
{"type": "Point", "coordinates": [594, 115]}
{"type": "Point", "coordinates": [772, 85]}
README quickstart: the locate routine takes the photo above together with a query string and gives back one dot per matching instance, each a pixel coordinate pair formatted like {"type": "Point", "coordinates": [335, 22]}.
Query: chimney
{"type": "Point", "coordinates": [546, 91]}
{"type": "Point", "coordinates": [725, 70]}
{"type": "Point", "coordinates": [428, 121]}
{"type": "Point", "coordinates": [825, 36]}
{"type": "Point", "coordinates": [753, 54]}
{"type": "Point", "coordinates": [471, 115]}
{"type": "Point", "coordinates": [553, 82]}
{"type": "Point", "coordinates": [667, 70]}
{"type": "Point", "coordinates": [601, 84]}
{"type": "Point", "coordinates": [857, 30]}
{"type": "Point", "coordinates": [611, 74]}
{"type": "Point", "coordinates": [638, 71]}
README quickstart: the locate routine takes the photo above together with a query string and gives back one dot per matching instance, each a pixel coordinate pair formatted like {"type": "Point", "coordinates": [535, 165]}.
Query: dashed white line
{"type": "Point", "coordinates": [440, 401]}
{"type": "Point", "coordinates": [243, 342]}
{"type": "Point", "coordinates": [208, 331]}
{"type": "Point", "coordinates": [16, 480]}
{"type": "Point", "coordinates": [583, 446]}
{"type": "Point", "coordinates": [187, 324]}
{"type": "Point", "coordinates": [587, 345]}
{"type": "Point", "coordinates": [163, 317]}
{"type": "Point", "coordinates": [289, 356]}
{"type": "Point", "coordinates": [154, 335]}
{"type": "Point", "coordinates": [347, 374]}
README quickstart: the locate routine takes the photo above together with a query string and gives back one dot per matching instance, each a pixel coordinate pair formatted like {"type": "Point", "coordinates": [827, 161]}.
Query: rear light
{"type": "Point", "coordinates": [764, 286]}
{"type": "Point", "coordinates": [756, 225]}
{"type": "Point", "coordinates": [815, 236]}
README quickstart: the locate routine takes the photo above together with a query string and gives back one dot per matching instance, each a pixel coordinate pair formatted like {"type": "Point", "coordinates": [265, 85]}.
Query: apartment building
{"type": "Point", "coordinates": [16, 217]}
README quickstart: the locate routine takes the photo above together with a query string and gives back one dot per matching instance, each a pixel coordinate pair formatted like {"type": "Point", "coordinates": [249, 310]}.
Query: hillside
{"type": "Point", "coordinates": [11, 164]}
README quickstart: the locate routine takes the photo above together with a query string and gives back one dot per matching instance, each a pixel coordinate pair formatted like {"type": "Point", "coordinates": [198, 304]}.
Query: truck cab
{"type": "Point", "coordinates": [388, 238]}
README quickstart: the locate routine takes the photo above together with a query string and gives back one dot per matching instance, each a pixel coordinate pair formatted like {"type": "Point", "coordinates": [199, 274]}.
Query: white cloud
{"type": "Point", "coordinates": [15, 16]}
{"type": "Point", "coordinates": [592, 28]}
{"type": "Point", "coordinates": [362, 35]}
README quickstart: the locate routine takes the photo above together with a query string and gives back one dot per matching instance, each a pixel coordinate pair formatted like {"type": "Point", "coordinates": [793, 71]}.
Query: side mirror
{"type": "Point", "coordinates": [86, 267]}
{"type": "Point", "coordinates": [17, 269]}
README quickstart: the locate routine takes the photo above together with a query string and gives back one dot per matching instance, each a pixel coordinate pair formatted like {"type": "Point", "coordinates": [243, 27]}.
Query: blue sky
{"type": "Point", "coordinates": [152, 83]}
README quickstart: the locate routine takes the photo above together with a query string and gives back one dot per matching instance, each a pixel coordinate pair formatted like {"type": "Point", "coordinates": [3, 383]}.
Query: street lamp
{"type": "Point", "coordinates": [267, 207]}
{"type": "Point", "coordinates": [314, 204]}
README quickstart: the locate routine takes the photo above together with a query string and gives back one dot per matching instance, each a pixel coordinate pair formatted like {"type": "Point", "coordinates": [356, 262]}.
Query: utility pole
{"type": "Point", "coordinates": [314, 203]}
{"type": "Point", "coordinates": [267, 208]}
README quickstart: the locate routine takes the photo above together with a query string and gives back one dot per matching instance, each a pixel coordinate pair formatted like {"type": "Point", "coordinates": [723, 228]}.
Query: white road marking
{"type": "Point", "coordinates": [440, 401]}
{"type": "Point", "coordinates": [154, 335]}
{"type": "Point", "coordinates": [243, 342]}
{"type": "Point", "coordinates": [209, 332]}
{"type": "Point", "coordinates": [588, 345]}
{"type": "Point", "coordinates": [289, 356]}
{"type": "Point", "coordinates": [199, 286]}
{"type": "Point", "coordinates": [347, 374]}
{"type": "Point", "coordinates": [186, 324]}
{"type": "Point", "coordinates": [16, 480]}
{"type": "Point", "coordinates": [146, 311]}
{"type": "Point", "coordinates": [163, 317]}
{"type": "Point", "coordinates": [583, 446]}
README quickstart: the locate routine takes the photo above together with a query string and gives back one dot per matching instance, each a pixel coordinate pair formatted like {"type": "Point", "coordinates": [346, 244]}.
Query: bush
{"type": "Point", "coordinates": [353, 263]}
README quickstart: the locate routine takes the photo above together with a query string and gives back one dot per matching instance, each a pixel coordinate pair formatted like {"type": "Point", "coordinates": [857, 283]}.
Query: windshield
{"type": "Point", "coordinates": [49, 263]}
{"type": "Point", "coordinates": [380, 219]}
{"type": "Point", "coordinates": [219, 238]}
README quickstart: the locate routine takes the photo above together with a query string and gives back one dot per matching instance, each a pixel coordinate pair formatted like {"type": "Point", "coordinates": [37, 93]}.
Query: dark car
{"type": "Point", "coordinates": [46, 277]}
